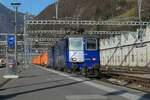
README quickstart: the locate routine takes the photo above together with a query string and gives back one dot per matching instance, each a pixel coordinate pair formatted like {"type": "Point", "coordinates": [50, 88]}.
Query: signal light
{"type": "Point", "coordinates": [10, 66]}
{"type": "Point", "coordinates": [36, 45]}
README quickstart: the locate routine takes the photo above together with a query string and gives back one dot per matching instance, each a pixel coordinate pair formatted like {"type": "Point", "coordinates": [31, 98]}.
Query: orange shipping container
{"type": "Point", "coordinates": [33, 61]}
{"type": "Point", "coordinates": [38, 61]}
{"type": "Point", "coordinates": [41, 60]}
{"type": "Point", "coordinates": [45, 58]}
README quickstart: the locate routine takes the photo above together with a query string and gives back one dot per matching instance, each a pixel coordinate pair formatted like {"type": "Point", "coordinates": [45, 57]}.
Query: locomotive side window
{"type": "Point", "coordinates": [75, 44]}
{"type": "Point", "coordinates": [91, 44]}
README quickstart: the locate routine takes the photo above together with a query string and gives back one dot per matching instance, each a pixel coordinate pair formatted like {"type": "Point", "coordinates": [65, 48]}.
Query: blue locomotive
{"type": "Point", "coordinates": [76, 54]}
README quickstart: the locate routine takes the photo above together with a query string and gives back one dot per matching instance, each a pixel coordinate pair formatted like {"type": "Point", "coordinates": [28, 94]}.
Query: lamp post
{"type": "Point", "coordinates": [15, 5]}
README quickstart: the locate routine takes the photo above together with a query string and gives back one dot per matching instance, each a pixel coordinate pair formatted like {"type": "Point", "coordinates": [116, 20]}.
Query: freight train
{"type": "Point", "coordinates": [76, 54]}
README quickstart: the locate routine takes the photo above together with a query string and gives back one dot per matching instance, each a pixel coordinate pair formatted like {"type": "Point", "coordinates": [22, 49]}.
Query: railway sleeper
{"type": "Point", "coordinates": [144, 85]}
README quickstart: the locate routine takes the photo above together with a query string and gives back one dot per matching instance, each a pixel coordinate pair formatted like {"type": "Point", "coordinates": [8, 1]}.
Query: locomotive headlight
{"type": "Point", "coordinates": [94, 59]}
{"type": "Point", "coordinates": [74, 59]}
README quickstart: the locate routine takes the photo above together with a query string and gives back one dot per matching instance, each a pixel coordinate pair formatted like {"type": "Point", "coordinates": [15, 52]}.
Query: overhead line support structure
{"type": "Point", "coordinates": [29, 22]}
{"type": "Point", "coordinates": [141, 25]}
{"type": "Point", "coordinates": [56, 6]}
{"type": "Point", "coordinates": [63, 32]}
{"type": "Point", "coordinates": [85, 22]}
{"type": "Point", "coordinates": [25, 40]}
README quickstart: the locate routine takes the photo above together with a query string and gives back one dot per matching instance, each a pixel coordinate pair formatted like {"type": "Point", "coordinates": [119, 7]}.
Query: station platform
{"type": "Point", "coordinates": [38, 83]}
{"type": "Point", "coordinates": [2, 72]}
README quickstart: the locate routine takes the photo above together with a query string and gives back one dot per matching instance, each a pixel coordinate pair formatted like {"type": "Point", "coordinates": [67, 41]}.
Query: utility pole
{"type": "Point", "coordinates": [56, 5]}
{"type": "Point", "coordinates": [140, 33]}
{"type": "Point", "coordinates": [16, 34]}
{"type": "Point", "coordinates": [140, 7]}
{"type": "Point", "coordinates": [140, 20]}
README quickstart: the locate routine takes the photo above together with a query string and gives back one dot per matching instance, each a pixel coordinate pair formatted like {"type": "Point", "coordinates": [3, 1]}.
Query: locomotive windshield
{"type": "Point", "coordinates": [75, 44]}
{"type": "Point", "coordinates": [91, 44]}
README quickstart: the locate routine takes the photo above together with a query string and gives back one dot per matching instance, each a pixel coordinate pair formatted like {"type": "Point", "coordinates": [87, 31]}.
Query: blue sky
{"type": "Point", "coordinates": [31, 6]}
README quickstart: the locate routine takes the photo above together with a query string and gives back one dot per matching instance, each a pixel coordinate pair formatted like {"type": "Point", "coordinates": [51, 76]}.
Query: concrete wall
{"type": "Point", "coordinates": [123, 51]}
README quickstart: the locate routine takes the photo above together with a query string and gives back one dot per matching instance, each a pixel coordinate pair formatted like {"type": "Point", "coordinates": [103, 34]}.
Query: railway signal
{"type": "Point", "coordinates": [36, 45]}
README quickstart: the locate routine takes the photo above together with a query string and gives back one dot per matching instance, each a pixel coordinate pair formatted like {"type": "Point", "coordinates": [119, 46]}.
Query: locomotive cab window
{"type": "Point", "coordinates": [91, 44]}
{"type": "Point", "coordinates": [75, 44]}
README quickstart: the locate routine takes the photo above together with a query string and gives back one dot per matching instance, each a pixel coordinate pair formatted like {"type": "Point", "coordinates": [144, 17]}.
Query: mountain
{"type": "Point", "coordinates": [123, 10]}
{"type": "Point", "coordinates": [97, 9]}
{"type": "Point", "coordinates": [7, 19]}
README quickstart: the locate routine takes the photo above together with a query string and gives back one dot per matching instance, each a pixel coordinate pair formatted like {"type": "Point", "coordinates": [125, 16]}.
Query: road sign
{"type": "Point", "coordinates": [11, 41]}
{"type": "Point", "coordinates": [30, 51]}
{"type": "Point", "coordinates": [22, 50]}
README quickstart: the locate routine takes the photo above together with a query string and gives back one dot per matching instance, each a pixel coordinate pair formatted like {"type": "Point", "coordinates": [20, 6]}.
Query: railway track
{"type": "Point", "coordinates": [126, 70]}
{"type": "Point", "coordinates": [127, 80]}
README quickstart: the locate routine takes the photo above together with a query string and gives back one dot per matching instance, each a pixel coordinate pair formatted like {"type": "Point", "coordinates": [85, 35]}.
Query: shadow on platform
{"type": "Point", "coordinates": [116, 93]}
{"type": "Point", "coordinates": [33, 76]}
{"type": "Point", "coordinates": [145, 97]}
{"type": "Point", "coordinates": [9, 96]}
{"type": "Point", "coordinates": [32, 84]}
